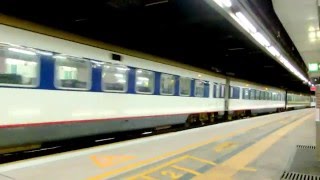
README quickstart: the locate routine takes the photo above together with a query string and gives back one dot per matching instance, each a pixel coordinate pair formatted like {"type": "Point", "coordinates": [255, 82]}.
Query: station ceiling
{"type": "Point", "coordinates": [187, 31]}
{"type": "Point", "coordinates": [303, 28]}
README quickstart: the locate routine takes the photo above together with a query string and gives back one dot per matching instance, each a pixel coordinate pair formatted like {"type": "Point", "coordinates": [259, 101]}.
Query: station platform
{"type": "Point", "coordinates": [261, 147]}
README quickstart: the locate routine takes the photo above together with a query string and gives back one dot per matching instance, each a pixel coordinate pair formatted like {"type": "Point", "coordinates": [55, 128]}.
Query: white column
{"type": "Point", "coordinates": [318, 122]}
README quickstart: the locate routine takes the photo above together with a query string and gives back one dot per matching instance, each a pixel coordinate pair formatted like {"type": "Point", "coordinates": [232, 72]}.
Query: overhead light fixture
{"type": "Point", "coordinates": [261, 39]}
{"type": "Point", "coordinates": [311, 28]}
{"type": "Point", "coordinates": [312, 35]}
{"type": "Point", "coordinates": [223, 3]}
{"type": "Point", "coordinates": [273, 51]}
{"type": "Point", "coordinates": [226, 3]}
{"type": "Point", "coordinates": [282, 59]}
{"type": "Point", "coordinates": [22, 51]}
{"type": "Point", "coordinates": [245, 23]}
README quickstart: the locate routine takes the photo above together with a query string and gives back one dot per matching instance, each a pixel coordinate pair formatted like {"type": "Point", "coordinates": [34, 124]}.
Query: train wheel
{"type": "Point", "coordinates": [192, 119]}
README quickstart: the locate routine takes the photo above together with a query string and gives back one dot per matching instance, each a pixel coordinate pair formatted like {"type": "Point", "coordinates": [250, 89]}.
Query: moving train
{"type": "Point", "coordinates": [53, 89]}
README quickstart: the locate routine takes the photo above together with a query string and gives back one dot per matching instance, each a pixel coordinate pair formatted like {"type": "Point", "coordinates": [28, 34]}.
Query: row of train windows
{"type": "Point", "coordinates": [18, 68]}
{"type": "Point", "coordinates": [254, 94]}
{"type": "Point", "coordinates": [261, 95]}
{"type": "Point", "coordinates": [21, 68]}
{"type": "Point", "coordinates": [297, 98]}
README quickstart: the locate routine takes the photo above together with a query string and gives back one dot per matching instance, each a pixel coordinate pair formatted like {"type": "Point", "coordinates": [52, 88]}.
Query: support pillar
{"type": "Point", "coordinates": [318, 122]}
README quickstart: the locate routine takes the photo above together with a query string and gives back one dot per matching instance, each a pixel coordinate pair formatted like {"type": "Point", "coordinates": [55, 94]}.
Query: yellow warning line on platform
{"type": "Point", "coordinates": [238, 162]}
{"type": "Point", "coordinates": [202, 160]}
{"type": "Point", "coordinates": [181, 150]}
{"type": "Point", "coordinates": [186, 170]}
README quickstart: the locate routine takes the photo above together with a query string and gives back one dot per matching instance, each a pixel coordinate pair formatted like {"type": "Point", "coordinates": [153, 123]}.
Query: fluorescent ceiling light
{"type": "Point", "coordinates": [312, 35]}
{"type": "Point", "coordinates": [226, 3]}
{"type": "Point", "coordinates": [283, 60]}
{"type": "Point", "coordinates": [223, 3]}
{"type": "Point", "coordinates": [273, 51]}
{"type": "Point", "coordinates": [261, 39]}
{"type": "Point", "coordinates": [244, 22]}
{"type": "Point", "coordinates": [22, 51]}
{"type": "Point", "coordinates": [311, 28]}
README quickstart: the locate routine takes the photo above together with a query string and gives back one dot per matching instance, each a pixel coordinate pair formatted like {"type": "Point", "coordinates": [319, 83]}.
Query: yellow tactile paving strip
{"type": "Point", "coordinates": [171, 170]}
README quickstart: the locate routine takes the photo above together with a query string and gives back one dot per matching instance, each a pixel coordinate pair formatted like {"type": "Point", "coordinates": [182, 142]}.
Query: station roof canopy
{"type": "Point", "coordinates": [210, 34]}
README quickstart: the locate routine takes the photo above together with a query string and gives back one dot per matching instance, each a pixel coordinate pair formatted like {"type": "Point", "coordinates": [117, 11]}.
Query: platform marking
{"type": "Point", "coordinates": [149, 171]}
{"type": "Point", "coordinates": [172, 174]}
{"type": "Point", "coordinates": [249, 169]}
{"type": "Point", "coordinates": [191, 171]}
{"type": "Point", "coordinates": [225, 146]}
{"type": "Point", "coordinates": [232, 166]}
{"type": "Point", "coordinates": [103, 161]}
{"type": "Point", "coordinates": [179, 151]}
{"type": "Point", "coordinates": [202, 160]}
{"type": "Point", "coordinates": [148, 178]}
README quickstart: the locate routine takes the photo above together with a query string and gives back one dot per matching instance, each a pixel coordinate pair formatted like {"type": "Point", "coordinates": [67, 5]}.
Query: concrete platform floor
{"type": "Point", "coordinates": [254, 148]}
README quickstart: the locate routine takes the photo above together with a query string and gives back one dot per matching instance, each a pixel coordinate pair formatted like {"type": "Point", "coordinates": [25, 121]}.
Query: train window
{"type": "Point", "coordinates": [245, 93]}
{"type": "Point", "coordinates": [270, 96]}
{"type": "Point", "coordinates": [18, 67]}
{"type": "Point", "coordinates": [222, 90]}
{"type": "Point", "coordinates": [167, 84]}
{"type": "Point", "coordinates": [114, 78]}
{"type": "Point", "coordinates": [274, 96]}
{"type": "Point", "coordinates": [72, 73]}
{"type": "Point", "coordinates": [231, 92]}
{"type": "Point", "coordinates": [217, 95]}
{"type": "Point", "coordinates": [262, 94]}
{"type": "Point", "coordinates": [144, 81]}
{"type": "Point", "coordinates": [214, 90]}
{"type": "Point", "coordinates": [235, 92]}
{"type": "Point", "coordinates": [252, 94]}
{"type": "Point", "coordinates": [279, 97]}
{"type": "Point", "coordinates": [257, 95]}
{"type": "Point", "coordinates": [199, 88]}
{"type": "Point", "coordinates": [265, 95]}
{"type": "Point", "coordinates": [185, 86]}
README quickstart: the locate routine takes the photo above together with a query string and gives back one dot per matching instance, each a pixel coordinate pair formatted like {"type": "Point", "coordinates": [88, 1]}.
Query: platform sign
{"type": "Point", "coordinates": [313, 67]}
{"type": "Point", "coordinates": [313, 88]}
